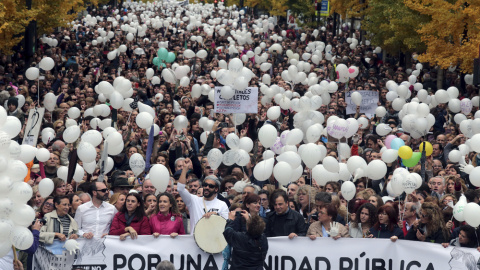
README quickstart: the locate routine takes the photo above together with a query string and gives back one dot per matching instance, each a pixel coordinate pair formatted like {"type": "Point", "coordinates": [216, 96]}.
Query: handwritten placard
{"type": "Point", "coordinates": [368, 106]}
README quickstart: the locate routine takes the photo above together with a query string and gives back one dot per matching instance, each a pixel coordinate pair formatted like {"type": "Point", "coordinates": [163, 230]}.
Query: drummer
{"type": "Point", "coordinates": [202, 206]}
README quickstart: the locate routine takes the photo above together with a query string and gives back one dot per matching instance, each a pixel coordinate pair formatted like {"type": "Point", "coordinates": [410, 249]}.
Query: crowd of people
{"type": "Point", "coordinates": [126, 205]}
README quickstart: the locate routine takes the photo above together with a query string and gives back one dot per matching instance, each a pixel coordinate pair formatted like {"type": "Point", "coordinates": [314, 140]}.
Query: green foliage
{"type": "Point", "coordinates": [392, 26]}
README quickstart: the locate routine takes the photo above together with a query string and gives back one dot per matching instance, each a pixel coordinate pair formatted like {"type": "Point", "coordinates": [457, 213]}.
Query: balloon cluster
{"type": "Point", "coordinates": [237, 154]}
{"type": "Point", "coordinates": [163, 56]}
{"type": "Point", "coordinates": [117, 94]}
{"type": "Point", "coordinates": [236, 77]}
{"type": "Point", "coordinates": [15, 214]}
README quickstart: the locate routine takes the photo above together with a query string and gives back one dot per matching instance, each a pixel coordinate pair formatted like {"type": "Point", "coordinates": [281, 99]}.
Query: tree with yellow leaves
{"type": "Point", "coordinates": [392, 26]}
{"type": "Point", "coordinates": [278, 8]}
{"type": "Point", "coordinates": [348, 8]}
{"type": "Point", "coordinates": [14, 17]}
{"type": "Point", "coordinates": [56, 13]}
{"type": "Point", "coordinates": [452, 36]}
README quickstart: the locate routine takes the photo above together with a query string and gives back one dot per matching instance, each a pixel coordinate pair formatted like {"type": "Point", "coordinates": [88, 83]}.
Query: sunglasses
{"type": "Point", "coordinates": [103, 190]}
{"type": "Point", "coordinates": [209, 185]}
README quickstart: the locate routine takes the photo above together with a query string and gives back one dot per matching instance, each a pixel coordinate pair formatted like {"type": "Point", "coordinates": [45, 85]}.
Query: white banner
{"type": "Point", "coordinates": [369, 103]}
{"type": "Point", "coordinates": [245, 101]}
{"type": "Point", "coordinates": [283, 253]}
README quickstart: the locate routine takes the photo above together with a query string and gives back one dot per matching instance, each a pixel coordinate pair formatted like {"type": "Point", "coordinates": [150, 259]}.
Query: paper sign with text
{"type": "Point", "coordinates": [369, 103]}
{"type": "Point", "coordinates": [245, 101]}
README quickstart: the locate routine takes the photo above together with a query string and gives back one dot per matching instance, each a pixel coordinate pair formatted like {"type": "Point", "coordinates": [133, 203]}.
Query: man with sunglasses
{"type": "Point", "coordinates": [94, 217]}
{"type": "Point", "coordinates": [204, 206]}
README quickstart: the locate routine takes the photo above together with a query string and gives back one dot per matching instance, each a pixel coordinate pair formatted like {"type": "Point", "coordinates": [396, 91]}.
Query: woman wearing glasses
{"type": "Point", "coordinates": [131, 220]}
{"type": "Point", "coordinates": [59, 224]}
{"type": "Point", "coordinates": [431, 226]}
{"type": "Point", "coordinates": [46, 207]}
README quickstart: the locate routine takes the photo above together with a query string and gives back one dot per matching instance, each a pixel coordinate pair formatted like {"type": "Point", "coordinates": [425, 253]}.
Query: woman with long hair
{"type": "Point", "coordinates": [305, 199]}
{"type": "Point", "coordinates": [75, 202]}
{"type": "Point", "coordinates": [431, 226]}
{"type": "Point", "coordinates": [386, 225]}
{"type": "Point", "coordinates": [467, 237]}
{"type": "Point", "coordinates": [117, 200]}
{"type": "Point", "coordinates": [46, 207]}
{"type": "Point", "coordinates": [365, 218]}
{"type": "Point", "coordinates": [167, 220]}
{"type": "Point", "coordinates": [182, 208]}
{"type": "Point", "coordinates": [131, 220]}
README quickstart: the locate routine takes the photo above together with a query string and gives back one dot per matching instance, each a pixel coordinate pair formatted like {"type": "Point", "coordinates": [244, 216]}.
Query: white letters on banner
{"type": "Point", "coordinates": [283, 254]}
{"type": "Point", "coordinates": [245, 101]}
{"type": "Point", "coordinates": [369, 103]}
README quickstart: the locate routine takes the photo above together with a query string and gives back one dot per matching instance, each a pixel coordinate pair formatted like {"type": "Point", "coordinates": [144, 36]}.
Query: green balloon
{"type": "Point", "coordinates": [411, 162]}
{"type": "Point", "coordinates": [162, 53]}
{"type": "Point", "coordinates": [170, 57]}
{"type": "Point", "coordinates": [156, 61]}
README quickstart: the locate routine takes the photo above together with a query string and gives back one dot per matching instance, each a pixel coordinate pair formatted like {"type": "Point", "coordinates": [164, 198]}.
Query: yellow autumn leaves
{"type": "Point", "coordinates": [49, 14]}
{"type": "Point", "coordinates": [446, 31]}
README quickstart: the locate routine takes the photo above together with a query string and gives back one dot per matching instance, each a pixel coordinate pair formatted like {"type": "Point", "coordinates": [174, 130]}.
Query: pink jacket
{"type": "Point", "coordinates": [168, 224]}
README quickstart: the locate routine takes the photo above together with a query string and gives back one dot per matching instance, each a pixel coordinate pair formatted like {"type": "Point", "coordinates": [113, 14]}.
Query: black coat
{"type": "Point", "coordinates": [293, 223]}
{"type": "Point", "coordinates": [248, 252]}
{"type": "Point", "coordinates": [385, 233]}
{"type": "Point", "coordinates": [436, 237]}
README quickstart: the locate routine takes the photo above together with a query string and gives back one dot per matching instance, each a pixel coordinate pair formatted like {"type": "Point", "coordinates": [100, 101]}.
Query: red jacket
{"type": "Point", "coordinates": [119, 223]}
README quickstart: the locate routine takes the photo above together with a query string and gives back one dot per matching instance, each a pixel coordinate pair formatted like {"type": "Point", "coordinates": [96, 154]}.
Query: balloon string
{"type": "Point", "coordinates": [128, 120]}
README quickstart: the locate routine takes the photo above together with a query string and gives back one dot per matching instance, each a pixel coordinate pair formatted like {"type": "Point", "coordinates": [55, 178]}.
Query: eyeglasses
{"type": "Point", "coordinates": [383, 214]}
{"type": "Point", "coordinates": [47, 204]}
{"type": "Point", "coordinates": [209, 185]}
{"type": "Point", "coordinates": [228, 188]}
{"type": "Point", "coordinates": [264, 199]}
{"type": "Point", "coordinates": [103, 190]}
{"type": "Point", "coordinates": [245, 192]}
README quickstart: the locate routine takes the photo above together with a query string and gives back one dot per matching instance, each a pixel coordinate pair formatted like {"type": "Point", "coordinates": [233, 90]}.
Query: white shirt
{"type": "Point", "coordinates": [95, 220]}
{"type": "Point", "coordinates": [197, 208]}
{"type": "Point", "coordinates": [6, 262]}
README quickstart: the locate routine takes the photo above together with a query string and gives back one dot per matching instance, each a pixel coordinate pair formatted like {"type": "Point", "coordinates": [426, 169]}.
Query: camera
{"type": "Point", "coordinates": [42, 220]}
{"type": "Point", "coordinates": [314, 216]}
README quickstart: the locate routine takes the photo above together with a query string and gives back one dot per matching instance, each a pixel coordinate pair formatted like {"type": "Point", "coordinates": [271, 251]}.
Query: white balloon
{"type": "Point", "coordinates": [45, 187]}
{"type": "Point", "coordinates": [331, 164]}
{"type": "Point", "coordinates": [376, 169]}
{"type": "Point", "coordinates": [470, 213]}
{"type": "Point", "coordinates": [137, 163]}
{"type": "Point", "coordinates": [282, 172]}
{"type": "Point", "coordinates": [160, 177]}
{"type": "Point", "coordinates": [263, 170]}
{"type": "Point", "coordinates": [86, 152]}
{"type": "Point", "coordinates": [273, 113]}
{"type": "Point", "coordinates": [20, 193]}
{"type": "Point", "coordinates": [32, 73]}
{"type": "Point", "coordinates": [28, 153]}
{"type": "Point", "coordinates": [459, 207]}
{"type": "Point", "coordinates": [144, 120]}
{"type": "Point", "coordinates": [12, 126]}
{"type": "Point", "coordinates": [21, 237]}
{"type": "Point", "coordinates": [348, 190]}
{"type": "Point", "coordinates": [267, 135]}
{"type": "Point", "coordinates": [43, 155]}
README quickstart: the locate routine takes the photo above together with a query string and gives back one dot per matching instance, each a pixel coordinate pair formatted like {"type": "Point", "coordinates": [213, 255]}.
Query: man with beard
{"type": "Point", "coordinates": [94, 217]}
{"type": "Point", "coordinates": [204, 206]}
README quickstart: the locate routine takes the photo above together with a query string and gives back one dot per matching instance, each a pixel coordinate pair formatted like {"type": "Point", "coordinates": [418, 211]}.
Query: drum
{"type": "Point", "coordinates": [208, 234]}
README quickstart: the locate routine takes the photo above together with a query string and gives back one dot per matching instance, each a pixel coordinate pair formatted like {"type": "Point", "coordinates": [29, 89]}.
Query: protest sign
{"type": "Point", "coordinates": [369, 103]}
{"type": "Point", "coordinates": [35, 117]}
{"type": "Point", "coordinates": [300, 253]}
{"type": "Point", "coordinates": [245, 101]}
